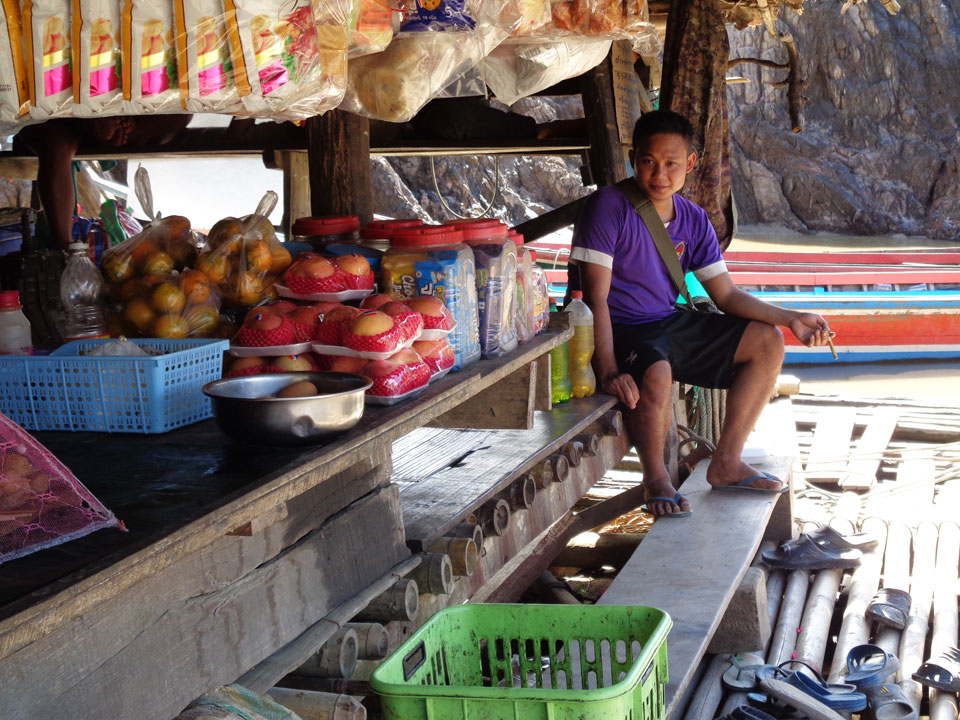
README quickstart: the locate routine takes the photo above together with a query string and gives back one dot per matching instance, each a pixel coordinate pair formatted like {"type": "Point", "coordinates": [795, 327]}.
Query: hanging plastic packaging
{"type": "Point", "coordinates": [205, 71]}
{"type": "Point", "coordinates": [287, 63]}
{"type": "Point", "coordinates": [46, 39]}
{"type": "Point", "coordinates": [14, 92]}
{"type": "Point", "coordinates": [97, 65]}
{"type": "Point", "coordinates": [615, 19]}
{"type": "Point", "coordinates": [371, 27]}
{"type": "Point", "coordinates": [149, 70]}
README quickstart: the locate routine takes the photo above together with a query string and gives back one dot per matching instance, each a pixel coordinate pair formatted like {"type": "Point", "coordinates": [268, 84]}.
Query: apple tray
{"type": "Point", "coordinates": [391, 399]}
{"type": "Point", "coordinates": [341, 296]}
{"type": "Point", "coordinates": [269, 350]}
{"type": "Point", "coordinates": [437, 375]}
{"type": "Point", "coordinates": [436, 333]}
{"type": "Point", "coordinates": [367, 355]}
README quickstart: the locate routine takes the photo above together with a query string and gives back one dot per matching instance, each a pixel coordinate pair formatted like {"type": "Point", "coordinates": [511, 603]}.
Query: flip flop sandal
{"type": "Point", "coordinates": [942, 671]}
{"type": "Point", "coordinates": [740, 676]}
{"type": "Point", "coordinates": [830, 539]}
{"type": "Point", "coordinates": [837, 696]}
{"type": "Point", "coordinates": [805, 704]}
{"type": "Point", "coordinates": [771, 706]}
{"type": "Point", "coordinates": [870, 665]}
{"type": "Point", "coordinates": [805, 554]}
{"type": "Point", "coordinates": [745, 484]}
{"type": "Point", "coordinates": [746, 712]}
{"type": "Point", "coordinates": [890, 607]}
{"type": "Point", "coordinates": [886, 701]}
{"type": "Point", "coordinates": [676, 500]}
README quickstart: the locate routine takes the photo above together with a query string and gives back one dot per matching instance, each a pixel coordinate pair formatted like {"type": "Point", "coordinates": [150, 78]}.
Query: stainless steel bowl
{"type": "Point", "coordinates": [244, 411]}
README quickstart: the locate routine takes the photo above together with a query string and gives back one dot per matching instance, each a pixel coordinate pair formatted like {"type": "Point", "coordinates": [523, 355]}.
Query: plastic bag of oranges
{"type": "Point", "coordinates": [180, 305]}
{"type": "Point", "coordinates": [243, 256]}
{"type": "Point", "coordinates": [165, 245]}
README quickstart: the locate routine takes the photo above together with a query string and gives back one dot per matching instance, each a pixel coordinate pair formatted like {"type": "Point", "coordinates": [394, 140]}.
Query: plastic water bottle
{"type": "Point", "coordinates": [14, 327]}
{"type": "Point", "coordinates": [559, 371]}
{"type": "Point", "coordinates": [583, 382]}
{"type": "Point", "coordinates": [81, 288]}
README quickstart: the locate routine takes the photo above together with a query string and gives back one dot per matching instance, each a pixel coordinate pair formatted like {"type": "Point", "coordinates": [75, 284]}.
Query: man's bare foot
{"type": "Point", "coordinates": [113, 131]}
{"type": "Point", "coordinates": [663, 488]}
{"type": "Point", "coordinates": [721, 473]}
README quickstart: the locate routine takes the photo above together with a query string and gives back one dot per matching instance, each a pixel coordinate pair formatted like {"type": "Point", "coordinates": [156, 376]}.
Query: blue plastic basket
{"type": "Point", "coordinates": [70, 391]}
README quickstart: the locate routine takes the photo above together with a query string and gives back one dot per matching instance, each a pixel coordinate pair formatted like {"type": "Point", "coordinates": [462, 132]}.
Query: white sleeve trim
{"type": "Point", "coordinates": [596, 257]}
{"type": "Point", "coordinates": [710, 271]}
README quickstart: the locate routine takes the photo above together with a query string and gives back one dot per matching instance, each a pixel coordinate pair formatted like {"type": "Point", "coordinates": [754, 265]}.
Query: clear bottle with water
{"type": "Point", "coordinates": [14, 327]}
{"type": "Point", "coordinates": [583, 381]}
{"type": "Point", "coordinates": [81, 291]}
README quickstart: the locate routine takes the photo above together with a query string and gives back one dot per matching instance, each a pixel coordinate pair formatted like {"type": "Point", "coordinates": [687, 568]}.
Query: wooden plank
{"type": "Point", "coordinates": [479, 464]}
{"type": "Point", "coordinates": [679, 567]}
{"type": "Point", "coordinates": [830, 450]}
{"type": "Point", "coordinates": [861, 470]}
{"type": "Point", "coordinates": [121, 664]}
{"type": "Point", "coordinates": [507, 404]}
{"type": "Point", "coordinates": [544, 392]}
{"type": "Point", "coordinates": [338, 148]}
{"type": "Point", "coordinates": [296, 188]}
{"type": "Point", "coordinates": [606, 153]}
{"type": "Point", "coordinates": [273, 476]}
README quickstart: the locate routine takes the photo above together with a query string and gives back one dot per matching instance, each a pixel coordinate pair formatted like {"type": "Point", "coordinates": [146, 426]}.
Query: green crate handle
{"type": "Point", "coordinates": [420, 649]}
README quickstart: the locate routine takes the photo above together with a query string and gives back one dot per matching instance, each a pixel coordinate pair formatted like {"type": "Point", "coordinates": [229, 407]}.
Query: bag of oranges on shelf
{"type": "Point", "coordinates": [165, 245]}
{"type": "Point", "coordinates": [179, 305]}
{"type": "Point", "coordinates": [244, 258]}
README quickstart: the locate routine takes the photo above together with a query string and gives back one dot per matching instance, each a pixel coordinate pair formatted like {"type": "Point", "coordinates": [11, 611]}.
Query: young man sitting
{"type": "Point", "coordinates": [643, 343]}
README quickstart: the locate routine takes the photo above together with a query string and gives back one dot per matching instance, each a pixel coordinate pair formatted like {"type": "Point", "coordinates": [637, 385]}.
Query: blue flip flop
{"type": "Point", "coordinates": [870, 665]}
{"type": "Point", "coordinates": [676, 500]}
{"type": "Point", "coordinates": [745, 484]}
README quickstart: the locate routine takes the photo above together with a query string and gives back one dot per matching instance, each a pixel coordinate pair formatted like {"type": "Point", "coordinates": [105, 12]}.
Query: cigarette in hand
{"type": "Point", "coordinates": [832, 348]}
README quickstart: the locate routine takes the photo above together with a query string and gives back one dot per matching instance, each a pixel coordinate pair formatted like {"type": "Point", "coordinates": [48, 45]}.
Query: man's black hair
{"type": "Point", "coordinates": [662, 122]}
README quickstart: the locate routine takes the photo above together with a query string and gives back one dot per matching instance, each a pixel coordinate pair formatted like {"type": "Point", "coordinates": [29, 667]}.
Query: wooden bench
{"type": "Point", "coordinates": [691, 567]}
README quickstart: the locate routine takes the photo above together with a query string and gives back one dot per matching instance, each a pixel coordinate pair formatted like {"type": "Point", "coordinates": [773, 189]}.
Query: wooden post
{"type": "Point", "coordinates": [561, 468]}
{"type": "Point", "coordinates": [296, 187]}
{"type": "Point", "coordinates": [337, 658]}
{"type": "Point", "coordinates": [606, 153]}
{"type": "Point", "coordinates": [339, 158]}
{"type": "Point", "coordinates": [590, 444]}
{"type": "Point", "coordinates": [544, 473]}
{"type": "Point", "coordinates": [434, 574]}
{"type": "Point", "coordinates": [372, 640]}
{"type": "Point", "coordinates": [400, 602]}
{"type": "Point", "coordinates": [573, 451]}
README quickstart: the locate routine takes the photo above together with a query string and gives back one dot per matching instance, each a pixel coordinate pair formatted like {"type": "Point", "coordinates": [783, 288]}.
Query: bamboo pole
{"type": "Point", "coordinates": [310, 705]}
{"type": "Point", "coordinates": [434, 574]}
{"type": "Point", "coordinates": [896, 575]}
{"type": "Point", "coordinates": [399, 602]}
{"type": "Point", "coordinates": [943, 705]}
{"type": "Point", "coordinates": [783, 640]}
{"type": "Point", "coordinates": [709, 693]}
{"type": "Point", "coordinates": [854, 629]}
{"type": "Point", "coordinates": [337, 658]}
{"type": "Point", "coordinates": [462, 551]}
{"type": "Point", "coordinates": [372, 640]}
{"type": "Point", "coordinates": [914, 638]}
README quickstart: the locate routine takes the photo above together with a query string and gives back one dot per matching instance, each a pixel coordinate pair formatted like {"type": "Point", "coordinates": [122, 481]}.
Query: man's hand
{"type": "Point", "coordinates": [624, 387]}
{"type": "Point", "coordinates": [810, 329]}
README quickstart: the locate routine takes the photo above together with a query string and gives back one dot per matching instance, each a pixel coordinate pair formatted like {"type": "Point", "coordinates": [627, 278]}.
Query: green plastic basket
{"type": "Point", "coordinates": [504, 662]}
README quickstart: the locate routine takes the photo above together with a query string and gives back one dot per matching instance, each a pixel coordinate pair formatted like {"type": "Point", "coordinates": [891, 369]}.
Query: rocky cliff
{"type": "Point", "coordinates": [879, 152]}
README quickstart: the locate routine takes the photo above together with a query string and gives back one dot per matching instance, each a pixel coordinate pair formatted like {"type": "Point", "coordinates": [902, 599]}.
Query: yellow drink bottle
{"type": "Point", "coordinates": [583, 382]}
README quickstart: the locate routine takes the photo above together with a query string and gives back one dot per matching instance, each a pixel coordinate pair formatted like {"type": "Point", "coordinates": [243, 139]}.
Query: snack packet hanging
{"type": "Point", "coordinates": [436, 15]}
{"type": "Point", "coordinates": [204, 69]}
{"type": "Point", "coordinates": [371, 27]}
{"type": "Point", "coordinates": [616, 19]}
{"type": "Point", "coordinates": [150, 80]}
{"type": "Point", "coordinates": [276, 57]}
{"type": "Point", "coordinates": [14, 93]}
{"type": "Point", "coordinates": [244, 258]}
{"type": "Point", "coordinates": [46, 39]}
{"type": "Point", "coordinates": [96, 72]}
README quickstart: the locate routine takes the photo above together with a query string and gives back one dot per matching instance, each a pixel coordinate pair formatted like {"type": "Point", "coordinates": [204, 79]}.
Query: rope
{"type": "Point", "coordinates": [493, 199]}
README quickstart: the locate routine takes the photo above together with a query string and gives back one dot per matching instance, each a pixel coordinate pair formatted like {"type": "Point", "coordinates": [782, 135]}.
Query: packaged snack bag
{"type": "Point", "coordinates": [14, 93]}
{"type": "Point", "coordinates": [432, 15]}
{"type": "Point", "coordinates": [96, 72]}
{"type": "Point", "coordinates": [46, 38]}
{"type": "Point", "coordinates": [206, 76]}
{"type": "Point", "coordinates": [371, 27]}
{"type": "Point", "coordinates": [150, 81]}
{"type": "Point", "coordinates": [276, 57]}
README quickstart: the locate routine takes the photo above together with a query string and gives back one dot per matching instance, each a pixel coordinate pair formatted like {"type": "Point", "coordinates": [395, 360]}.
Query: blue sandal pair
{"type": "Point", "coordinates": [843, 697]}
{"type": "Point", "coordinates": [868, 666]}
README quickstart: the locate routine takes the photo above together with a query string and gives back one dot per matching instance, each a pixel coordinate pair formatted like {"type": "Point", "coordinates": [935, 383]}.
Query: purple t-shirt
{"type": "Point", "coordinates": [610, 233]}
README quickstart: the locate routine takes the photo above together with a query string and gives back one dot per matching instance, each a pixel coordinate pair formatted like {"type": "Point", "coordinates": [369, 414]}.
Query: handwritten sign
{"type": "Point", "coordinates": [626, 91]}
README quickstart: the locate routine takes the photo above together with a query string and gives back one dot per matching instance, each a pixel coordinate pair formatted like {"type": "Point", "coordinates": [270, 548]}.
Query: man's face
{"type": "Point", "coordinates": [661, 164]}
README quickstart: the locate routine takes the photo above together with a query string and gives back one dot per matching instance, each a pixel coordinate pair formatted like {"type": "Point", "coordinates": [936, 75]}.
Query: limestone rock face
{"type": "Point", "coordinates": [878, 152]}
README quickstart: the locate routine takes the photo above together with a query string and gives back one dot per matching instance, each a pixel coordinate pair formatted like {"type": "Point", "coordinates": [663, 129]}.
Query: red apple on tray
{"type": "Point", "coordinates": [373, 302]}
{"type": "Point", "coordinates": [347, 364]}
{"type": "Point", "coordinates": [332, 324]}
{"type": "Point", "coordinates": [390, 378]}
{"type": "Point", "coordinates": [357, 274]}
{"type": "Point", "coordinates": [250, 365]}
{"type": "Point", "coordinates": [305, 319]}
{"type": "Point", "coordinates": [436, 353]}
{"type": "Point", "coordinates": [283, 306]}
{"type": "Point", "coordinates": [311, 273]}
{"type": "Point", "coordinates": [410, 321]}
{"type": "Point", "coordinates": [294, 363]}
{"type": "Point", "coordinates": [263, 329]}
{"type": "Point", "coordinates": [436, 316]}
{"type": "Point", "coordinates": [372, 331]}
{"type": "Point", "coordinates": [419, 370]}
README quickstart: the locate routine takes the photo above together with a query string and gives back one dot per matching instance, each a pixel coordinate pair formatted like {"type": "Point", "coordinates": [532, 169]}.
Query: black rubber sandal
{"type": "Point", "coordinates": [890, 607]}
{"type": "Point", "coordinates": [805, 554]}
{"type": "Point", "coordinates": [942, 671]}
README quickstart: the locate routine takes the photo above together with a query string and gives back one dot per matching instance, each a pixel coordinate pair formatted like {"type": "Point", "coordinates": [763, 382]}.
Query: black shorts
{"type": "Point", "coordinates": [699, 347]}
